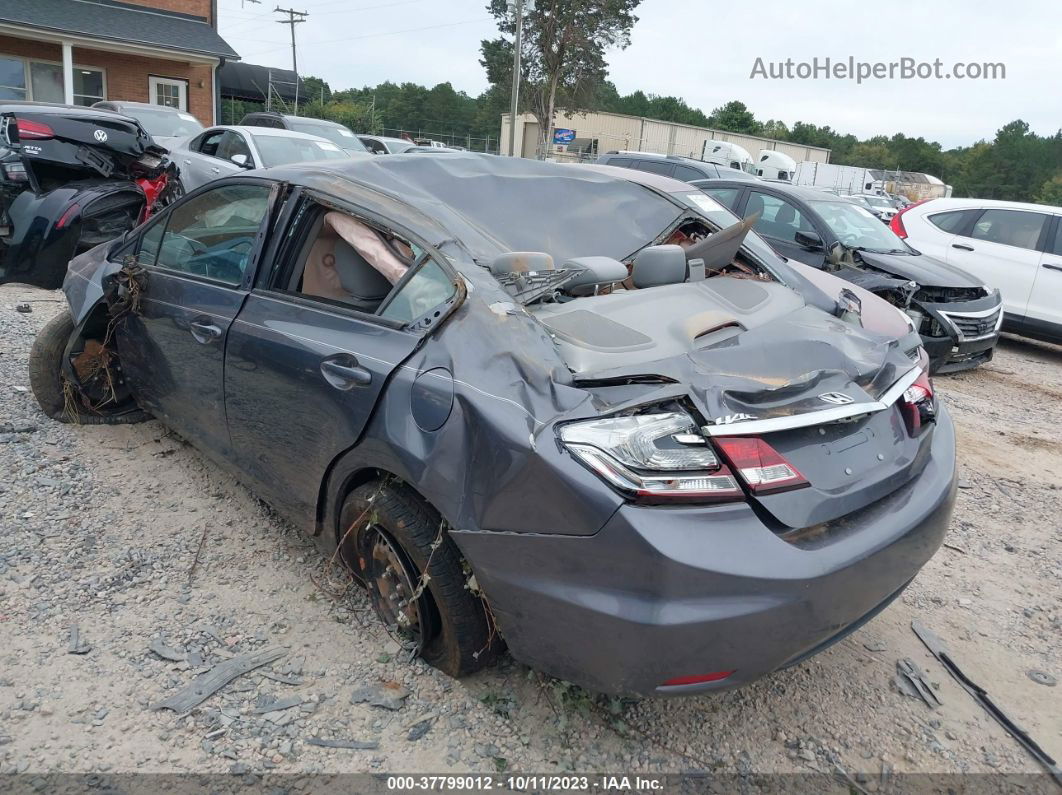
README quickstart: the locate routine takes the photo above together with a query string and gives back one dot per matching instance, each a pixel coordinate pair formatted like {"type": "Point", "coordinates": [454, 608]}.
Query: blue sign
{"type": "Point", "coordinates": [563, 136]}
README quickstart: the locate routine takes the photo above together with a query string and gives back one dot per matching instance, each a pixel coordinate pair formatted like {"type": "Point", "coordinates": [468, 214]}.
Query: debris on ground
{"type": "Point", "coordinates": [939, 650]}
{"type": "Point", "coordinates": [913, 681]}
{"type": "Point", "coordinates": [386, 695]}
{"type": "Point", "coordinates": [77, 645]}
{"type": "Point", "coordinates": [354, 745]}
{"type": "Point", "coordinates": [1042, 678]}
{"type": "Point", "coordinates": [159, 647]}
{"type": "Point", "coordinates": [206, 684]}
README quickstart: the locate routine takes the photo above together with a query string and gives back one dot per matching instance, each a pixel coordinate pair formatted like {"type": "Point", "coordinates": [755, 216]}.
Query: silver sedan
{"type": "Point", "coordinates": [227, 149]}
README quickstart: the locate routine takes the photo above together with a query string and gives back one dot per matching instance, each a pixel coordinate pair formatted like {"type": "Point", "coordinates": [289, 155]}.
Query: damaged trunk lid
{"type": "Point", "coordinates": [755, 361]}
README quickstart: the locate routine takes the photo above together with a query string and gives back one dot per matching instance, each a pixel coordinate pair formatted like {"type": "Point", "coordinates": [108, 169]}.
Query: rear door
{"type": "Point", "coordinates": [199, 259]}
{"type": "Point", "coordinates": [205, 159]}
{"type": "Point", "coordinates": [1003, 249]}
{"type": "Point", "coordinates": [304, 371]}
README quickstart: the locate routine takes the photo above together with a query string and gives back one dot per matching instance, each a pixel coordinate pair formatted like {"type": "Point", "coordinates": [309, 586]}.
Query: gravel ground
{"type": "Point", "coordinates": [129, 535]}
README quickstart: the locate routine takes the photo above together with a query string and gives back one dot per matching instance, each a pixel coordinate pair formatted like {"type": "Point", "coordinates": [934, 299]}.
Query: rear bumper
{"type": "Point", "coordinates": [661, 592]}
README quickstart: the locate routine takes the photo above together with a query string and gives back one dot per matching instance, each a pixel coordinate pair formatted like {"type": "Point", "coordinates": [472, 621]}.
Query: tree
{"type": "Point", "coordinates": [1051, 191]}
{"type": "Point", "coordinates": [562, 59]}
{"type": "Point", "coordinates": [735, 117]}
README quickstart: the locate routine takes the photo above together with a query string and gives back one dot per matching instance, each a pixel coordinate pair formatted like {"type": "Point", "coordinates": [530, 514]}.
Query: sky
{"type": "Point", "coordinates": [705, 53]}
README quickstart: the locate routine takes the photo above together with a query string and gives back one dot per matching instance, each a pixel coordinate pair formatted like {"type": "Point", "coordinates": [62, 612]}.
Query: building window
{"type": "Point", "coordinates": [88, 86]}
{"type": "Point", "coordinates": [42, 81]}
{"type": "Point", "coordinates": [168, 91]}
{"type": "Point", "coordinates": [12, 78]}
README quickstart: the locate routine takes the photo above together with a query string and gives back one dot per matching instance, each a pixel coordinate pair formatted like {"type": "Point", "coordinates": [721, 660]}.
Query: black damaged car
{"type": "Point", "coordinates": [71, 178]}
{"type": "Point", "coordinates": [957, 315]}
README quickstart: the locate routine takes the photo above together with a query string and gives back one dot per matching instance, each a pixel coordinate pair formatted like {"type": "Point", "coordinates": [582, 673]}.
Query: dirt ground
{"type": "Point", "coordinates": [131, 536]}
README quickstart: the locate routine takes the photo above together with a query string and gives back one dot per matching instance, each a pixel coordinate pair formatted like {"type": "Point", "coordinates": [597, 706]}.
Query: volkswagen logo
{"type": "Point", "coordinates": [836, 398]}
{"type": "Point", "coordinates": [100, 135]}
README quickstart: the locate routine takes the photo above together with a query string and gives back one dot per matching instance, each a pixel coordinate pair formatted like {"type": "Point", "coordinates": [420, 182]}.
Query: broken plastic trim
{"type": "Point", "coordinates": [755, 427]}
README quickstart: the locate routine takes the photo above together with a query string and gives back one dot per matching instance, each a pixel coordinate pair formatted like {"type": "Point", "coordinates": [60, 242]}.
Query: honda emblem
{"type": "Point", "coordinates": [836, 398]}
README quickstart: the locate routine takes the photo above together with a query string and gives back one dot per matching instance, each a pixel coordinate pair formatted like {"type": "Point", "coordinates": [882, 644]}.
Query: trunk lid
{"type": "Point", "coordinates": [74, 138]}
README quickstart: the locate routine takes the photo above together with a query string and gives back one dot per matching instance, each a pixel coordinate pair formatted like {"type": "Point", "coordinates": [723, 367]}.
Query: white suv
{"type": "Point", "coordinates": [1015, 247]}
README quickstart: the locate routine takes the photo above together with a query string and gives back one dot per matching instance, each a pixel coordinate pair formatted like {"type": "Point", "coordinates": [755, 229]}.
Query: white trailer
{"type": "Point", "coordinates": [843, 179]}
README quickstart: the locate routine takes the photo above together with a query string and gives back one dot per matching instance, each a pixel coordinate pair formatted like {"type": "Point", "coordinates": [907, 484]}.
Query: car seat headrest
{"type": "Point", "coordinates": [656, 265]}
{"type": "Point", "coordinates": [357, 276]}
{"type": "Point", "coordinates": [593, 271]}
{"type": "Point", "coordinates": [521, 262]}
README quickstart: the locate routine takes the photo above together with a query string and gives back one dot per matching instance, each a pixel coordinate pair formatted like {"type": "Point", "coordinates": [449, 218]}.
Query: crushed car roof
{"type": "Point", "coordinates": [565, 211]}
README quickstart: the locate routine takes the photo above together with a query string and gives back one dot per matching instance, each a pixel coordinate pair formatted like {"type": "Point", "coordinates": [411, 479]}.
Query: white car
{"type": "Point", "coordinates": [226, 149]}
{"type": "Point", "coordinates": [881, 206]}
{"type": "Point", "coordinates": [1015, 247]}
{"type": "Point", "coordinates": [383, 145]}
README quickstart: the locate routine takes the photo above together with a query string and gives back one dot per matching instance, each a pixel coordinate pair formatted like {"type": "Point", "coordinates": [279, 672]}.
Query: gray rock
{"type": "Point", "coordinates": [380, 695]}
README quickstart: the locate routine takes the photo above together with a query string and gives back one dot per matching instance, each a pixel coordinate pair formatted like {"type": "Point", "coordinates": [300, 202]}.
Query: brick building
{"type": "Point", "coordinates": [81, 51]}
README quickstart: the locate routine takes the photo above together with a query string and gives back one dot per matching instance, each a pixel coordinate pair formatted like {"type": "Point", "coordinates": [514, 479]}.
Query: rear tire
{"type": "Point", "coordinates": [57, 397]}
{"type": "Point", "coordinates": [459, 636]}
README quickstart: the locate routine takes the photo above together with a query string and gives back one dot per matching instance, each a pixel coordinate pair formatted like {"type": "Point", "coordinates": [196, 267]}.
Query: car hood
{"type": "Point", "coordinates": [927, 271]}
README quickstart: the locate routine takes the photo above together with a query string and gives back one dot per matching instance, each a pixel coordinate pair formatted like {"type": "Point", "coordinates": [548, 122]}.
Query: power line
{"type": "Point", "coordinates": [375, 35]}
{"type": "Point", "coordinates": [294, 18]}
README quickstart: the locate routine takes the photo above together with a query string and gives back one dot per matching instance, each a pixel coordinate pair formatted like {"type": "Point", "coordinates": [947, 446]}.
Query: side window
{"type": "Point", "coordinates": [208, 144]}
{"type": "Point", "coordinates": [735, 164]}
{"type": "Point", "coordinates": [687, 174]}
{"type": "Point", "coordinates": [622, 162]}
{"type": "Point", "coordinates": [343, 260]}
{"type": "Point", "coordinates": [1057, 247]}
{"type": "Point", "coordinates": [655, 167]}
{"type": "Point", "coordinates": [374, 146]}
{"type": "Point", "coordinates": [951, 221]}
{"type": "Point", "coordinates": [428, 287]}
{"type": "Point", "coordinates": [214, 234]}
{"type": "Point", "coordinates": [725, 196]}
{"type": "Point", "coordinates": [148, 249]}
{"type": "Point", "coordinates": [232, 144]}
{"type": "Point", "coordinates": [778, 218]}
{"type": "Point", "coordinates": [1009, 227]}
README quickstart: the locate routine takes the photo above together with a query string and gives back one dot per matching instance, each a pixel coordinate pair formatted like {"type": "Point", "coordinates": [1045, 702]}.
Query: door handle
{"type": "Point", "coordinates": [961, 246]}
{"type": "Point", "coordinates": [1055, 266]}
{"type": "Point", "coordinates": [215, 171]}
{"type": "Point", "coordinates": [204, 331]}
{"type": "Point", "coordinates": [188, 162]}
{"type": "Point", "coordinates": [343, 372]}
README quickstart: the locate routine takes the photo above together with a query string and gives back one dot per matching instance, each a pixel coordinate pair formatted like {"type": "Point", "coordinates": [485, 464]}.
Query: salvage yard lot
{"type": "Point", "coordinates": [131, 536]}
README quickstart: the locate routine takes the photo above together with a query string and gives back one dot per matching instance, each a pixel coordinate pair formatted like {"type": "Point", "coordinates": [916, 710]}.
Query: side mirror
{"type": "Point", "coordinates": [241, 160]}
{"type": "Point", "coordinates": [809, 240]}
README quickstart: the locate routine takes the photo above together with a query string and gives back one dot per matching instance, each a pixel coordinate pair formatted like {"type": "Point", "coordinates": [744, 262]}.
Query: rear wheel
{"type": "Point", "coordinates": [100, 398]}
{"type": "Point", "coordinates": [397, 536]}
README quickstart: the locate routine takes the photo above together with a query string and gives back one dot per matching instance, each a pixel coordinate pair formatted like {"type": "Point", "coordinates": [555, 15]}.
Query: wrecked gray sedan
{"type": "Point", "coordinates": [533, 405]}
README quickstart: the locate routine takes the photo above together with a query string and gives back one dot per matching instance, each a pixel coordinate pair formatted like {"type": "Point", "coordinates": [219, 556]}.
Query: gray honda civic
{"type": "Point", "coordinates": [588, 417]}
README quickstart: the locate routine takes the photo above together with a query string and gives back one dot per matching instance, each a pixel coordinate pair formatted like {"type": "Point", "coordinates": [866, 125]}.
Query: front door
{"type": "Point", "coordinates": [779, 222]}
{"type": "Point", "coordinates": [197, 260]}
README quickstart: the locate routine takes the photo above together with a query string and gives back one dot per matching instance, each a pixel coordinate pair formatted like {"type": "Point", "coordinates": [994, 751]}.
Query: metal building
{"type": "Point", "coordinates": [583, 136]}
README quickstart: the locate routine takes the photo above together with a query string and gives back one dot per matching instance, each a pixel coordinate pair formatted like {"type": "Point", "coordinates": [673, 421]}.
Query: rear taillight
{"type": "Point", "coordinates": [15, 172]}
{"type": "Point", "coordinates": [764, 469]}
{"type": "Point", "coordinates": [700, 679]}
{"type": "Point", "coordinates": [69, 213]}
{"type": "Point", "coordinates": [896, 224]}
{"type": "Point", "coordinates": [917, 404]}
{"type": "Point", "coordinates": [34, 130]}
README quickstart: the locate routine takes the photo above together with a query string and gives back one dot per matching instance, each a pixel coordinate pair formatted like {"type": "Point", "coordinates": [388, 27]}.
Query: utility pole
{"type": "Point", "coordinates": [516, 77]}
{"type": "Point", "coordinates": [292, 21]}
